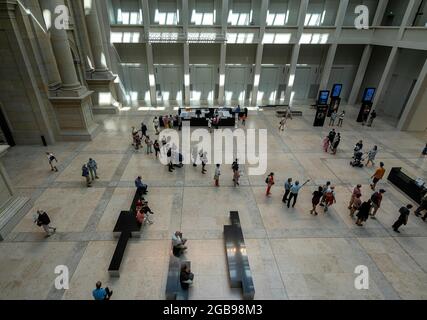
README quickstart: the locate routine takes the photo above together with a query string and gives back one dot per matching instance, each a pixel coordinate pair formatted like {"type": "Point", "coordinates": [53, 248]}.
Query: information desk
{"type": "Point", "coordinates": [406, 184]}
{"type": "Point", "coordinates": [198, 117]}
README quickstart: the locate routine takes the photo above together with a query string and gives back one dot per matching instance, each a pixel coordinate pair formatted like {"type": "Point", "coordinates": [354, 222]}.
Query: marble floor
{"type": "Point", "coordinates": [292, 254]}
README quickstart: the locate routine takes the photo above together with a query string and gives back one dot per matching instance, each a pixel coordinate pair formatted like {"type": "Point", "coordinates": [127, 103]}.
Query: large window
{"type": "Point", "coordinates": [240, 13]}
{"type": "Point", "coordinates": [278, 13]}
{"type": "Point", "coordinates": [203, 13]}
{"type": "Point", "coordinates": [127, 12]}
{"type": "Point", "coordinates": [167, 12]}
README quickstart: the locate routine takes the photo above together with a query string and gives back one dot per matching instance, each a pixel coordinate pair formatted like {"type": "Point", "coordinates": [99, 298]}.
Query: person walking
{"type": "Point", "coordinates": [236, 178]}
{"type": "Point", "coordinates": [372, 118]}
{"type": "Point", "coordinates": [217, 174]}
{"type": "Point", "coordinates": [100, 293]}
{"type": "Point", "coordinates": [423, 206]}
{"type": "Point", "coordinates": [244, 117]}
{"type": "Point", "coordinates": [85, 173]}
{"type": "Point", "coordinates": [170, 163]}
{"type": "Point", "coordinates": [235, 165]}
{"type": "Point", "coordinates": [377, 176]}
{"type": "Point", "coordinates": [136, 139]}
{"type": "Point", "coordinates": [356, 204]}
{"type": "Point", "coordinates": [331, 136]}
{"type": "Point", "coordinates": [165, 122]}
{"type": "Point", "coordinates": [282, 123]}
{"type": "Point", "coordinates": [288, 186]}
{"type": "Point", "coordinates": [341, 119]}
{"type": "Point", "coordinates": [325, 188]}
{"type": "Point", "coordinates": [333, 118]}
{"type": "Point", "coordinates": [171, 122]}
{"type": "Point", "coordinates": [93, 167]}
{"type": "Point", "coordinates": [294, 192]}
{"type": "Point", "coordinates": [326, 143]}
{"type": "Point", "coordinates": [403, 217]}
{"type": "Point", "coordinates": [42, 219]}
{"type": "Point", "coordinates": [270, 182]}
{"type": "Point", "coordinates": [149, 144]}
{"type": "Point", "coordinates": [210, 125]}
{"type": "Point", "coordinates": [365, 116]}
{"type": "Point", "coordinates": [363, 213]}
{"type": "Point", "coordinates": [51, 158]}
{"type": "Point", "coordinates": [371, 156]}
{"type": "Point", "coordinates": [376, 199]}
{"type": "Point", "coordinates": [317, 195]}
{"type": "Point", "coordinates": [336, 143]}
{"type": "Point", "coordinates": [330, 198]}
{"type": "Point", "coordinates": [356, 191]}
{"type": "Point", "coordinates": [156, 124]}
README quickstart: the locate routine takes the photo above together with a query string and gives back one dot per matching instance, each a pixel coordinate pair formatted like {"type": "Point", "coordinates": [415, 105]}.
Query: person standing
{"type": "Point", "coordinates": [341, 119]}
{"type": "Point", "coordinates": [376, 199]}
{"type": "Point", "coordinates": [371, 155]}
{"type": "Point", "coordinates": [325, 188]}
{"type": "Point", "coordinates": [156, 146]}
{"type": "Point", "coordinates": [372, 118]}
{"type": "Point", "coordinates": [288, 186]}
{"type": "Point", "coordinates": [377, 176]}
{"type": "Point", "coordinates": [403, 217]}
{"type": "Point", "coordinates": [326, 143]}
{"type": "Point", "coordinates": [85, 173]}
{"type": "Point", "coordinates": [365, 116]}
{"type": "Point", "coordinates": [423, 206]}
{"type": "Point", "coordinates": [294, 192]}
{"type": "Point", "coordinates": [336, 143]}
{"type": "Point", "coordinates": [165, 122]}
{"type": "Point", "coordinates": [93, 167]}
{"type": "Point", "coordinates": [43, 220]}
{"type": "Point", "coordinates": [356, 191]}
{"type": "Point", "coordinates": [149, 144]}
{"type": "Point", "coordinates": [144, 129]}
{"type": "Point", "coordinates": [317, 195]}
{"type": "Point", "coordinates": [210, 125]}
{"type": "Point", "coordinates": [217, 174]}
{"type": "Point", "coordinates": [356, 204]}
{"type": "Point", "coordinates": [52, 158]}
{"type": "Point", "coordinates": [236, 177]}
{"type": "Point", "coordinates": [270, 182]}
{"type": "Point", "coordinates": [100, 293]}
{"type": "Point", "coordinates": [333, 118]}
{"type": "Point", "coordinates": [235, 165]}
{"type": "Point", "coordinates": [244, 117]}
{"type": "Point", "coordinates": [204, 160]}
{"type": "Point", "coordinates": [331, 136]}
{"type": "Point", "coordinates": [156, 124]}
{"type": "Point", "coordinates": [363, 213]}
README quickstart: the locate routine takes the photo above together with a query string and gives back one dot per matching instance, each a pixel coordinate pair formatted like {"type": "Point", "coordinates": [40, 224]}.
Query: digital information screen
{"type": "Point", "coordinates": [336, 90]}
{"type": "Point", "coordinates": [323, 97]}
{"type": "Point", "coordinates": [369, 94]}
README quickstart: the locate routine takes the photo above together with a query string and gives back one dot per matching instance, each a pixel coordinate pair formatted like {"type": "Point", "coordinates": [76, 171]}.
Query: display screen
{"type": "Point", "coordinates": [323, 97]}
{"type": "Point", "coordinates": [336, 90]}
{"type": "Point", "coordinates": [369, 94]}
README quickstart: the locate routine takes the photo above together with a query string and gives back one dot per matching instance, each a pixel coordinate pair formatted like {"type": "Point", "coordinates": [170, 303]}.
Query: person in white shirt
{"type": "Point", "coordinates": [204, 160]}
{"type": "Point", "coordinates": [51, 159]}
{"type": "Point", "coordinates": [156, 124]}
{"type": "Point", "coordinates": [217, 175]}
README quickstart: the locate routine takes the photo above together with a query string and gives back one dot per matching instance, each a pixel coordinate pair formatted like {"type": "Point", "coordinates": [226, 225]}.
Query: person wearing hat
{"type": "Point", "coordinates": [376, 199]}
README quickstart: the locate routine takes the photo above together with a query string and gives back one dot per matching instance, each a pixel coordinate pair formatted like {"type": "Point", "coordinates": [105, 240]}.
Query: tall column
{"type": "Point", "coordinates": [223, 55]}
{"type": "Point", "coordinates": [259, 52]}
{"type": "Point", "coordinates": [415, 112]}
{"type": "Point", "coordinates": [73, 106]}
{"type": "Point", "coordinates": [186, 53]}
{"type": "Point", "coordinates": [101, 80]}
{"type": "Point", "coordinates": [149, 52]}
{"type": "Point", "coordinates": [364, 61]}
{"type": "Point", "coordinates": [61, 47]}
{"type": "Point", "coordinates": [327, 68]}
{"type": "Point", "coordinates": [295, 52]}
{"type": "Point", "coordinates": [385, 78]}
{"type": "Point", "coordinates": [409, 13]}
{"type": "Point", "coordinates": [379, 13]}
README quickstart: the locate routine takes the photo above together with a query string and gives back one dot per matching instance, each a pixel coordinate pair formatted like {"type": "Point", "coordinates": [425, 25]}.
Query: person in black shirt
{"type": "Point", "coordinates": [43, 220]}
{"type": "Point", "coordinates": [331, 136]}
{"type": "Point", "coordinates": [317, 195]}
{"type": "Point", "coordinates": [186, 277]}
{"type": "Point", "coordinates": [363, 213]}
{"type": "Point", "coordinates": [403, 218]}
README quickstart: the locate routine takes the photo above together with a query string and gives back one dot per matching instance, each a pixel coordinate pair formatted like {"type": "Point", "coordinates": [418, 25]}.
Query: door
{"type": "Point", "coordinates": [170, 83]}
{"type": "Point", "coordinates": [202, 84]}
{"type": "Point", "coordinates": [269, 84]}
{"type": "Point", "coordinates": [302, 83]}
{"type": "Point", "coordinates": [236, 84]}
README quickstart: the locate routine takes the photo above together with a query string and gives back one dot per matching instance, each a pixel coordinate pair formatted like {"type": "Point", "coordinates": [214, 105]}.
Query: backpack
{"type": "Point", "coordinates": [267, 180]}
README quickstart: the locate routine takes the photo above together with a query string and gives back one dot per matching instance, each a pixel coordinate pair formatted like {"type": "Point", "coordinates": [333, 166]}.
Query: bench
{"type": "Point", "coordinates": [174, 290]}
{"type": "Point", "coordinates": [237, 258]}
{"type": "Point", "coordinates": [126, 227]}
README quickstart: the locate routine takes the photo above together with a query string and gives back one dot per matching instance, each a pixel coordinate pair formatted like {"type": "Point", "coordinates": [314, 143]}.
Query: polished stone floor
{"type": "Point", "coordinates": [292, 254]}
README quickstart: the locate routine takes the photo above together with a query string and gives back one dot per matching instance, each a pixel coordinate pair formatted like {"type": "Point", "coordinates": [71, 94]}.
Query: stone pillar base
{"type": "Point", "coordinates": [104, 97]}
{"type": "Point", "coordinates": [74, 117]}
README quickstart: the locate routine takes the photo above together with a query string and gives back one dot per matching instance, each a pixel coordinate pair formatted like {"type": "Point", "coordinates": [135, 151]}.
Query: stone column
{"type": "Point", "coordinates": [73, 104]}
{"type": "Point", "coordinates": [364, 61]}
{"type": "Point", "coordinates": [102, 79]}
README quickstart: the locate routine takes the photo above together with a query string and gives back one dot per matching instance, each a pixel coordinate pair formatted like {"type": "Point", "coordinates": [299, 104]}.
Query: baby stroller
{"type": "Point", "coordinates": [357, 159]}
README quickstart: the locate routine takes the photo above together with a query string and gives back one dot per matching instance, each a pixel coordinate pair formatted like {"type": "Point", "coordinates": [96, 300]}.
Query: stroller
{"type": "Point", "coordinates": [357, 159]}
